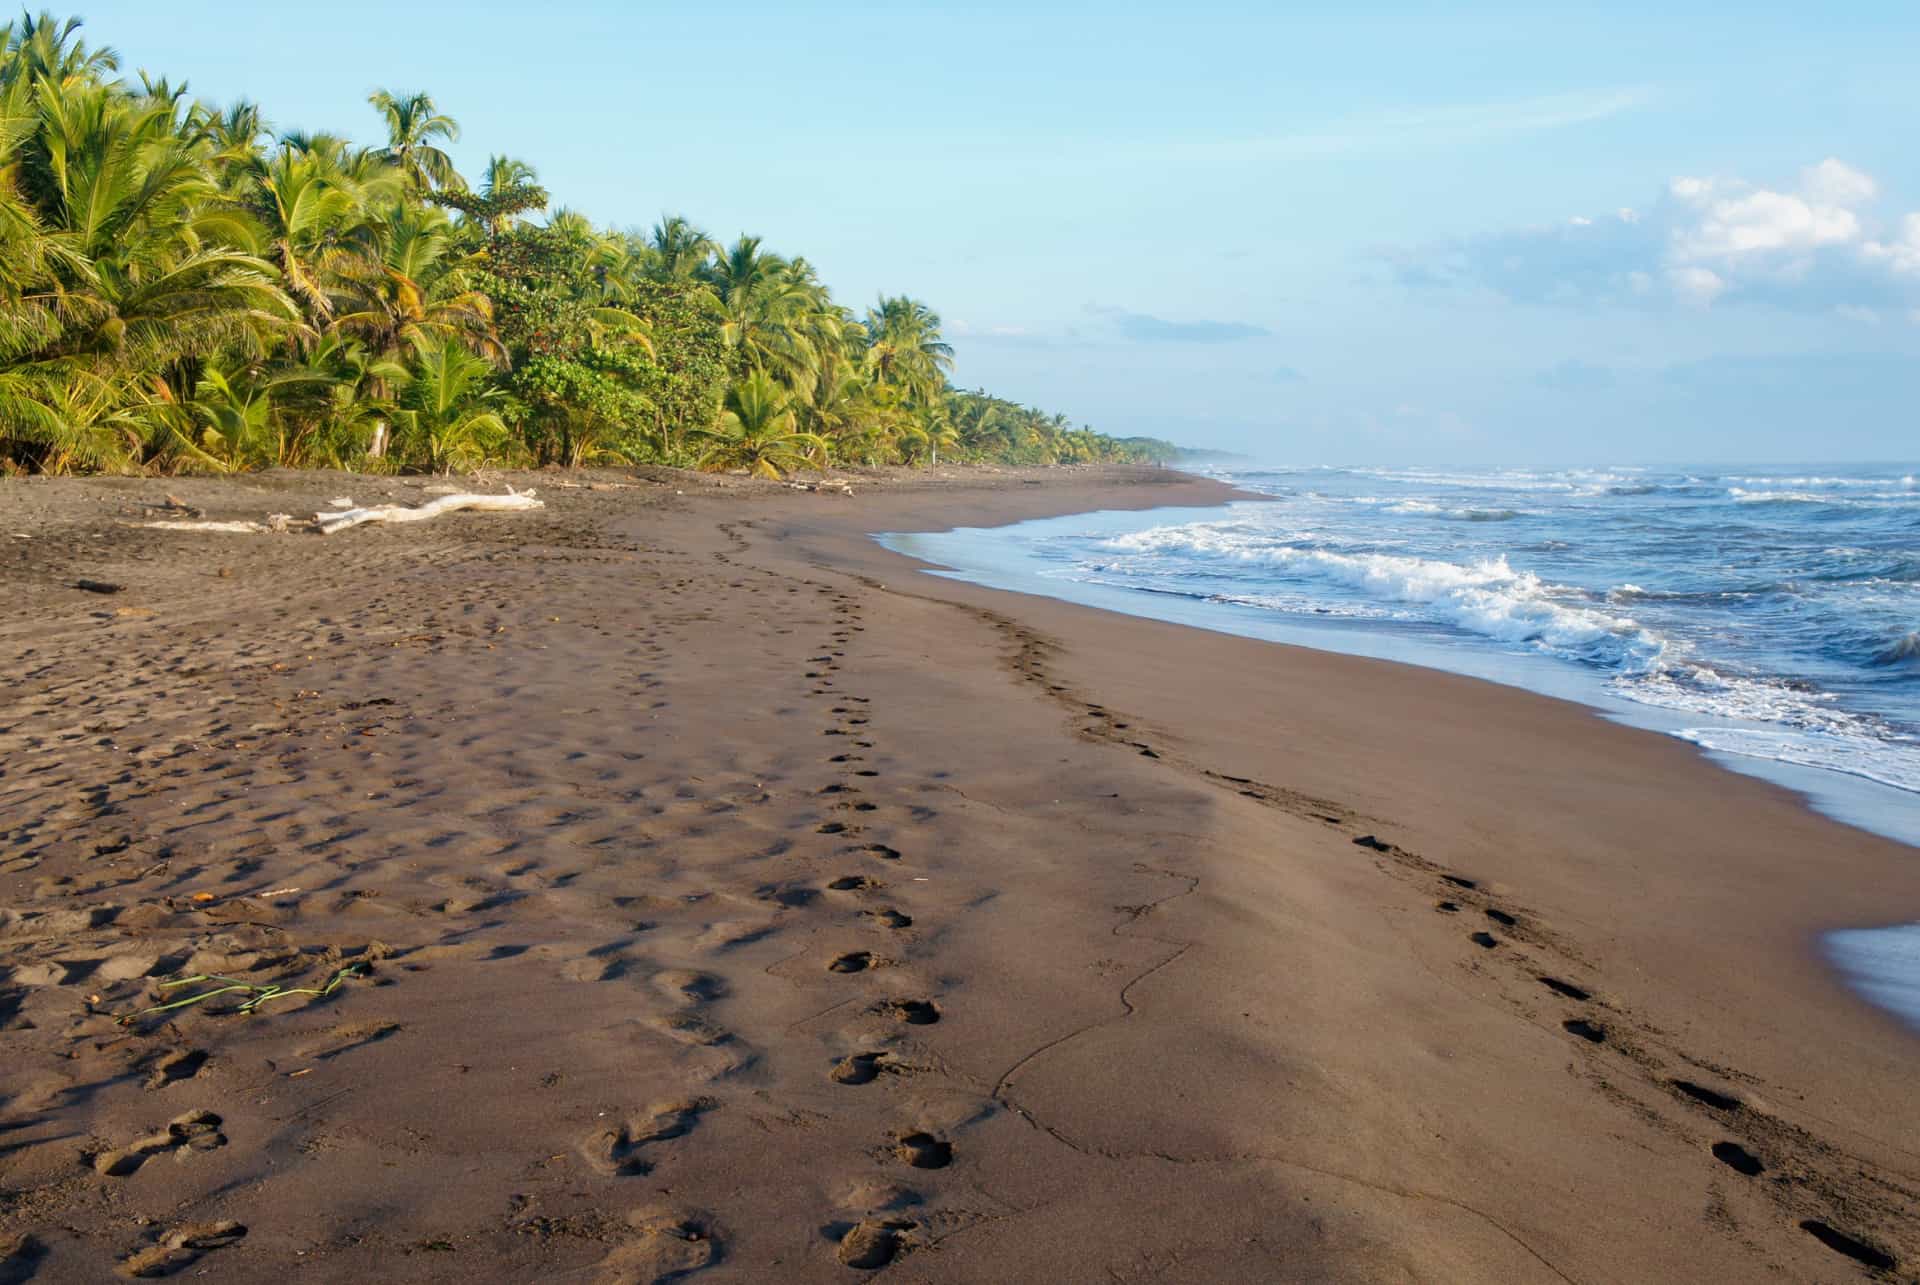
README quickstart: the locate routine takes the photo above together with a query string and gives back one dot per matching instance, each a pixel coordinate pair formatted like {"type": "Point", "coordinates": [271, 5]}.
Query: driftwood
{"type": "Point", "coordinates": [276, 523]}
{"type": "Point", "coordinates": [238, 528]}
{"type": "Point", "coordinates": [839, 488]}
{"type": "Point", "coordinates": [339, 520]}
{"type": "Point", "coordinates": [512, 501]}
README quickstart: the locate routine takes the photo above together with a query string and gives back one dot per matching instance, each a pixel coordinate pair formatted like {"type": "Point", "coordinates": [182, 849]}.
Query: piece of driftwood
{"type": "Point", "coordinates": [512, 501]}
{"type": "Point", "coordinates": [838, 488]}
{"type": "Point", "coordinates": [237, 528]}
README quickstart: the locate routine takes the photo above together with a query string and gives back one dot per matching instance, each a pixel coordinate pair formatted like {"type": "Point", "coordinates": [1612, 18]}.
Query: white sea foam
{"type": "Point", "coordinates": [1855, 753]}
{"type": "Point", "coordinates": [1741, 495]}
{"type": "Point", "coordinates": [1487, 597]}
{"type": "Point", "coordinates": [1909, 481]}
{"type": "Point", "coordinates": [1422, 508]}
{"type": "Point", "coordinates": [1490, 598]}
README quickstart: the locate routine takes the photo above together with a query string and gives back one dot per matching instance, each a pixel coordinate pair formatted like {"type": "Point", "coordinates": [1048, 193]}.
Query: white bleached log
{"type": "Point", "coordinates": [511, 502]}
{"type": "Point", "coordinates": [239, 528]}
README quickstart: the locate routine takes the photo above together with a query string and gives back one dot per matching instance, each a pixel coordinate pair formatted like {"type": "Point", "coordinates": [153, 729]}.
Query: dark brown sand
{"type": "Point", "coordinates": [719, 898]}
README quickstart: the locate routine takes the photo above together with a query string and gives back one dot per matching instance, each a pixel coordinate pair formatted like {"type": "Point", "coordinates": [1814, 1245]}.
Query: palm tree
{"type": "Point", "coordinates": [235, 418]}
{"type": "Point", "coordinates": [904, 346]}
{"type": "Point", "coordinates": [48, 48]}
{"type": "Point", "coordinates": [679, 249]}
{"type": "Point", "coordinates": [72, 418]}
{"type": "Point", "coordinates": [777, 315]}
{"type": "Point", "coordinates": [413, 123]}
{"type": "Point", "coordinates": [153, 266]}
{"type": "Point", "coordinates": [511, 189]}
{"type": "Point", "coordinates": [234, 134]}
{"type": "Point", "coordinates": [308, 209]}
{"type": "Point", "coordinates": [414, 290]}
{"type": "Point", "coordinates": [758, 432]}
{"type": "Point", "coordinates": [448, 416]}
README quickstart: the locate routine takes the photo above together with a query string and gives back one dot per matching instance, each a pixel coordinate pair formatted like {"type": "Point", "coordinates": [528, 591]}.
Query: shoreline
{"type": "Point", "coordinates": [658, 843]}
{"type": "Point", "coordinates": [1856, 799]}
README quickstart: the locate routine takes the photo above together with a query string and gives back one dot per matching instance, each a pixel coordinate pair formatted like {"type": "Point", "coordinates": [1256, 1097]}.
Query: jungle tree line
{"type": "Point", "coordinates": [184, 288]}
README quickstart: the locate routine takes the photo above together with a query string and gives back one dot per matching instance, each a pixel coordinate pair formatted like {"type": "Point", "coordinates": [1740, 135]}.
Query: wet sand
{"type": "Point", "coordinates": [713, 896]}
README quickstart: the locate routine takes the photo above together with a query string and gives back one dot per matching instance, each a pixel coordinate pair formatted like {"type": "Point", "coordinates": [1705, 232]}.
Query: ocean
{"type": "Point", "coordinates": [1769, 615]}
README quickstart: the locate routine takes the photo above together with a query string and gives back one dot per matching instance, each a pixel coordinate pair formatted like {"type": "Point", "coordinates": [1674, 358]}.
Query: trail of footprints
{"type": "Point", "coordinates": [677, 1242]}
{"type": "Point", "coordinates": [870, 1241]}
{"type": "Point", "coordinates": [1764, 1148]}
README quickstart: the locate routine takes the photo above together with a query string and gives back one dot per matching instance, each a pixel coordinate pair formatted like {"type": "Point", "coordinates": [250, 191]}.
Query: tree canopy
{"type": "Point", "coordinates": [182, 287]}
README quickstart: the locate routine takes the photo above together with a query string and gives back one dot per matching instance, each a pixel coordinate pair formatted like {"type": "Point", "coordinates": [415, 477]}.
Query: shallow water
{"type": "Point", "coordinates": [1770, 616]}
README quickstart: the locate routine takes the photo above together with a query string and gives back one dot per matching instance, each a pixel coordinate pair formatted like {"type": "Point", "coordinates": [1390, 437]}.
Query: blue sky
{"type": "Point", "coordinates": [1393, 233]}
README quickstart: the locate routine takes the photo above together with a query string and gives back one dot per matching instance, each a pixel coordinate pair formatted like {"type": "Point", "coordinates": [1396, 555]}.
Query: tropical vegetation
{"type": "Point", "coordinates": [182, 287]}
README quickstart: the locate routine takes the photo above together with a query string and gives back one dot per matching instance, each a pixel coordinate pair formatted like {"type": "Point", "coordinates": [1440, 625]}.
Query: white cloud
{"type": "Point", "coordinates": [1819, 243]}
{"type": "Point", "coordinates": [1901, 255]}
{"type": "Point", "coordinates": [1838, 183]}
{"type": "Point", "coordinates": [1731, 217]}
{"type": "Point", "coordinates": [1697, 285]}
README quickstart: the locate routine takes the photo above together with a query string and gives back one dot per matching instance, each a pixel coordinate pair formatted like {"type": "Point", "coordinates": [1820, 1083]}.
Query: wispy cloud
{"type": "Point", "coordinates": [1439, 125]}
{"type": "Point", "coordinates": [1144, 328]}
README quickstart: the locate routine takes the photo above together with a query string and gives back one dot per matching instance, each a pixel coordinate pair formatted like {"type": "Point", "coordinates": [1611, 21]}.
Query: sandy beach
{"type": "Point", "coordinates": [682, 886]}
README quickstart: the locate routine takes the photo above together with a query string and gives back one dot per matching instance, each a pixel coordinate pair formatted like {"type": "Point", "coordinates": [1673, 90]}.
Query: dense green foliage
{"type": "Point", "coordinates": [181, 288]}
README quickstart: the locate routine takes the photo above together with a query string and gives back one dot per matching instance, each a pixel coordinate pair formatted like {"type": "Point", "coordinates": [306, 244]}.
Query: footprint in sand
{"type": "Point", "coordinates": [669, 1246]}
{"type": "Point", "coordinates": [707, 1051]}
{"type": "Point", "coordinates": [1851, 1247]}
{"type": "Point", "coordinates": [887, 918]}
{"type": "Point", "coordinates": [872, 1242]}
{"type": "Point", "coordinates": [689, 985]}
{"type": "Point", "coordinates": [1707, 1097]}
{"type": "Point", "coordinates": [193, 1131]}
{"type": "Point", "coordinates": [181, 1247]}
{"type": "Point", "coordinates": [861, 1068]}
{"type": "Point", "coordinates": [1485, 941]}
{"type": "Point", "coordinates": [617, 1152]}
{"type": "Point", "coordinates": [345, 1039]}
{"type": "Point", "coordinates": [20, 1256]}
{"type": "Point", "coordinates": [1738, 1159]}
{"type": "Point", "coordinates": [855, 961]}
{"type": "Point", "coordinates": [923, 1150]}
{"type": "Point", "coordinates": [914, 1012]}
{"type": "Point", "coordinates": [855, 883]}
{"type": "Point", "coordinates": [173, 1066]}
